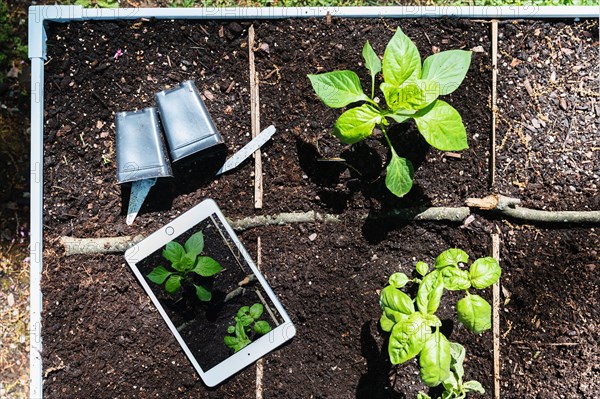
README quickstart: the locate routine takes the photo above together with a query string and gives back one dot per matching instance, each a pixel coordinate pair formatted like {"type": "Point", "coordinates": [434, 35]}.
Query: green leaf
{"type": "Point", "coordinates": [451, 257]}
{"type": "Point", "coordinates": [372, 61]}
{"type": "Point", "coordinates": [195, 244]}
{"type": "Point", "coordinates": [451, 383]}
{"type": "Point", "coordinates": [430, 292]}
{"type": "Point", "coordinates": [231, 329]}
{"type": "Point", "coordinates": [408, 338]}
{"type": "Point", "coordinates": [338, 89]}
{"type": "Point", "coordinates": [422, 395]}
{"type": "Point", "coordinates": [173, 284]}
{"type": "Point", "coordinates": [399, 175]}
{"type": "Point", "coordinates": [399, 116]}
{"type": "Point", "coordinates": [455, 279]}
{"type": "Point", "coordinates": [396, 300]}
{"type": "Point", "coordinates": [398, 280]}
{"type": "Point", "coordinates": [394, 315]}
{"type": "Point", "coordinates": [356, 123]}
{"type": "Point", "coordinates": [185, 263]}
{"type": "Point", "coordinates": [231, 342]}
{"type": "Point", "coordinates": [391, 94]}
{"type": "Point", "coordinates": [422, 268]}
{"type": "Point", "coordinates": [473, 386]}
{"type": "Point", "coordinates": [432, 320]}
{"type": "Point", "coordinates": [245, 320]}
{"type": "Point", "coordinates": [442, 127]}
{"type": "Point", "coordinates": [412, 95]}
{"type": "Point", "coordinates": [207, 266]}
{"type": "Point", "coordinates": [239, 341]}
{"type": "Point", "coordinates": [256, 311]}
{"type": "Point", "coordinates": [434, 360]}
{"type": "Point", "coordinates": [401, 60]}
{"type": "Point", "coordinates": [202, 293]}
{"type": "Point", "coordinates": [173, 252]}
{"type": "Point", "coordinates": [243, 311]}
{"type": "Point", "coordinates": [262, 327]}
{"type": "Point", "coordinates": [387, 323]}
{"type": "Point", "coordinates": [448, 68]}
{"type": "Point", "coordinates": [457, 352]}
{"type": "Point", "coordinates": [475, 313]}
{"type": "Point", "coordinates": [240, 332]}
{"type": "Point", "coordinates": [158, 275]}
{"type": "Point", "coordinates": [484, 272]}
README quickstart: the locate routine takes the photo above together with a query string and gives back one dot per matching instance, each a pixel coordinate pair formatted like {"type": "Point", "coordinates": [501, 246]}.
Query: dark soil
{"type": "Point", "coordinates": [550, 317]}
{"type": "Point", "coordinates": [102, 336]}
{"type": "Point", "coordinates": [548, 143]}
{"type": "Point", "coordinates": [96, 85]}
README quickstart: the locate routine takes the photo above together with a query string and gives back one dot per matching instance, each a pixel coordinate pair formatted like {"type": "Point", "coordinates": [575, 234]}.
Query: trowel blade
{"type": "Point", "coordinates": [139, 192]}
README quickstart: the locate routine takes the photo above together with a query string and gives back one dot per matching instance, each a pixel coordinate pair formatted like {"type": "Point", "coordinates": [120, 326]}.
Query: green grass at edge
{"type": "Point", "coordinates": [313, 3]}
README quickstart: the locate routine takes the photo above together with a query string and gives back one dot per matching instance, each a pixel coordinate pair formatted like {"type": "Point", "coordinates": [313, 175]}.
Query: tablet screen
{"type": "Point", "coordinates": [208, 290]}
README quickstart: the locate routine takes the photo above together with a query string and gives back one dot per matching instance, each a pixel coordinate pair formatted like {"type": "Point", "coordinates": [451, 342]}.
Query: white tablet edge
{"type": "Point", "coordinates": [265, 344]}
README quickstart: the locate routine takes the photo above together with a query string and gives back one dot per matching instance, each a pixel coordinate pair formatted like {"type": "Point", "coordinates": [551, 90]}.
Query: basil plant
{"type": "Point", "coordinates": [415, 330]}
{"type": "Point", "coordinates": [411, 91]}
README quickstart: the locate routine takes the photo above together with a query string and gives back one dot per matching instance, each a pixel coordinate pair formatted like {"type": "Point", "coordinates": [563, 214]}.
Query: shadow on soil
{"type": "Point", "coordinates": [188, 176]}
{"type": "Point", "coordinates": [376, 382]}
{"type": "Point", "coordinates": [361, 169]}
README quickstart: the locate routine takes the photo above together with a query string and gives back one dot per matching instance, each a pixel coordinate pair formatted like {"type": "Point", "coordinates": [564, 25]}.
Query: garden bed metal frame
{"type": "Point", "coordinates": [39, 15]}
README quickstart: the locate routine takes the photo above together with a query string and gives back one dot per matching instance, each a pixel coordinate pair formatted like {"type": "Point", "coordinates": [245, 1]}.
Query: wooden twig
{"type": "Point", "coordinates": [414, 214]}
{"type": "Point", "coordinates": [507, 206]}
{"type": "Point", "coordinates": [504, 206]}
{"type": "Point", "coordinates": [255, 121]}
{"type": "Point", "coordinates": [494, 101]}
{"type": "Point", "coordinates": [496, 318]}
{"type": "Point", "coordinates": [557, 344]}
{"type": "Point", "coordinates": [239, 290]}
{"type": "Point", "coordinates": [259, 377]}
{"type": "Point", "coordinates": [74, 246]}
{"type": "Point", "coordinates": [259, 363]}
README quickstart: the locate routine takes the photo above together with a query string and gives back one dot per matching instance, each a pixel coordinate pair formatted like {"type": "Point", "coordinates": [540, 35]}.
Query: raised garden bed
{"type": "Point", "coordinates": [101, 332]}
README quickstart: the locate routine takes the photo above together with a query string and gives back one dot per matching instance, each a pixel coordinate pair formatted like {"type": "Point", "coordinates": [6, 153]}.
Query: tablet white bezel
{"type": "Point", "coordinates": [157, 240]}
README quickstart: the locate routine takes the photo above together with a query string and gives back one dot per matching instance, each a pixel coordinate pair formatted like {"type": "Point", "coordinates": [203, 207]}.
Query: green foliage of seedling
{"type": "Point", "coordinates": [414, 330]}
{"type": "Point", "coordinates": [246, 322]}
{"type": "Point", "coordinates": [185, 261]}
{"type": "Point", "coordinates": [410, 89]}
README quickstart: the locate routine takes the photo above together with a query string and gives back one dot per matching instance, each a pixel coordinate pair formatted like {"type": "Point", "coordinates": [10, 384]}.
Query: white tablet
{"type": "Point", "coordinates": [206, 288]}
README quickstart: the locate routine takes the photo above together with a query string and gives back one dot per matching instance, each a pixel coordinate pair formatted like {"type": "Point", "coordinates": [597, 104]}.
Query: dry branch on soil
{"type": "Point", "coordinates": [504, 206]}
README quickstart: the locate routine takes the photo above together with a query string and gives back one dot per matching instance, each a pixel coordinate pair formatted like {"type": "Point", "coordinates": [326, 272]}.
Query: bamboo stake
{"type": "Point", "coordinates": [259, 363]}
{"type": "Point", "coordinates": [494, 100]}
{"type": "Point", "coordinates": [496, 318]}
{"type": "Point", "coordinates": [255, 121]}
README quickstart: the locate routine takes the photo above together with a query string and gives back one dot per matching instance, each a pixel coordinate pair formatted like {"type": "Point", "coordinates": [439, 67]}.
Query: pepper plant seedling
{"type": "Point", "coordinates": [186, 260]}
{"type": "Point", "coordinates": [246, 321]}
{"type": "Point", "coordinates": [416, 331]}
{"type": "Point", "coordinates": [411, 91]}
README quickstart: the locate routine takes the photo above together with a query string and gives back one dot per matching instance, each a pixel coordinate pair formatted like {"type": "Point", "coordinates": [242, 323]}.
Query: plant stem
{"type": "Point", "coordinates": [372, 86]}
{"type": "Point", "coordinates": [372, 102]}
{"type": "Point", "coordinates": [387, 139]}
